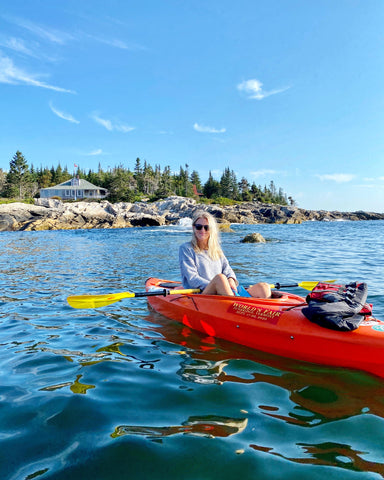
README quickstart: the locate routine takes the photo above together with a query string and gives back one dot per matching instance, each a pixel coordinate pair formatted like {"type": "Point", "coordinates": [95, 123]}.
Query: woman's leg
{"type": "Point", "coordinates": [260, 290]}
{"type": "Point", "coordinates": [219, 285]}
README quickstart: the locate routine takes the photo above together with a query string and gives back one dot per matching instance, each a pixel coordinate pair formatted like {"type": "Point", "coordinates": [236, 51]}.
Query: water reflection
{"type": "Point", "coordinates": [318, 395]}
{"type": "Point", "coordinates": [329, 454]}
{"type": "Point", "coordinates": [210, 426]}
{"type": "Point", "coordinates": [201, 370]}
{"type": "Point", "coordinates": [75, 387]}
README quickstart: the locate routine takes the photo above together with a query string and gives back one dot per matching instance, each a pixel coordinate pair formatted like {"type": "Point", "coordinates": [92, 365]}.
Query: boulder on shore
{"type": "Point", "coordinates": [51, 214]}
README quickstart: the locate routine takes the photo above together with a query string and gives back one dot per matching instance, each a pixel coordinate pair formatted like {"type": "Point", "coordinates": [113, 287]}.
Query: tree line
{"type": "Point", "coordinates": [124, 185]}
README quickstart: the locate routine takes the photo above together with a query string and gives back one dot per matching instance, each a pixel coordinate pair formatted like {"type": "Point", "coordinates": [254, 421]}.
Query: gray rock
{"type": "Point", "coordinates": [51, 214]}
{"type": "Point", "coordinates": [253, 238]}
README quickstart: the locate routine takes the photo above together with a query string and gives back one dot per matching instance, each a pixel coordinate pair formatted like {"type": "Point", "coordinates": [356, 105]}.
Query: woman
{"type": "Point", "coordinates": [203, 264]}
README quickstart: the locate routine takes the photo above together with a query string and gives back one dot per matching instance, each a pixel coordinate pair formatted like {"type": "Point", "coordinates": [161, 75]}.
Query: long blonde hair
{"type": "Point", "coordinates": [214, 249]}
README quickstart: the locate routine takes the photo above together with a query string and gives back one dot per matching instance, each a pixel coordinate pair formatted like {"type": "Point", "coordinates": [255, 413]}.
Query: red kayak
{"type": "Point", "coordinates": [275, 325]}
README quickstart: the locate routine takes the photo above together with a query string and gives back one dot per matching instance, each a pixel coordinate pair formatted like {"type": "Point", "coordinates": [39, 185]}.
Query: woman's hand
{"type": "Point", "coordinates": [232, 284]}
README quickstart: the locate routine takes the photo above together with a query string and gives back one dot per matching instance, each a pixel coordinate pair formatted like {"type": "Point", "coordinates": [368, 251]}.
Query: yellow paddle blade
{"type": "Point", "coordinates": [312, 285]}
{"type": "Point", "coordinates": [96, 301]}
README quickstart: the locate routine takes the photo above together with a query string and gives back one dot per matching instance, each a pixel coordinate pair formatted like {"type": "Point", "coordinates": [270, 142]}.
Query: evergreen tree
{"type": "Point", "coordinates": [234, 187]}
{"type": "Point", "coordinates": [122, 185]}
{"type": "Point", "coordinates": [45, 178]}
{"type": "Point", "coordinates": [244, 188]}
{"type": "Point", "coordinates": [18, 182]}
{"type": "Point", "coordinates": [228, 184]}
{"type": "Point", "coordinates": [150, 183]}
{"type": "Point", "coordinates": [165, 184]}
{"type": "Point", "coordinates": [138, 174]}
{"type": "Point", "coordinates": [211, 187]}
{"type": "Point", "coordinates": [195, 180]}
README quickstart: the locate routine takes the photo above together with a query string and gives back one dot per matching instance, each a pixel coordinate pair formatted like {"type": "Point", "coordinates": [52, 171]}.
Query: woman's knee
{"type": "Point", "coordinates": [260, 290]}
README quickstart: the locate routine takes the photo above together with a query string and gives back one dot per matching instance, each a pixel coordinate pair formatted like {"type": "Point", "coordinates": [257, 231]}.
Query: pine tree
{"type": "Point", "coordinates": [211, 187]}
{"type": "Point", "coordinates": [18, 181]}
{"type": "Point", "coordinates": [195, 180]}
{"type": "Point", "coordinates": [138, 174]}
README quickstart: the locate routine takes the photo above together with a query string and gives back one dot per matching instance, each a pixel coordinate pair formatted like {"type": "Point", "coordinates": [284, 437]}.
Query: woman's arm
{"type": "Point", "coordinates": [190, 276]}
{"type": "Point", "coordinates": [229, 273]}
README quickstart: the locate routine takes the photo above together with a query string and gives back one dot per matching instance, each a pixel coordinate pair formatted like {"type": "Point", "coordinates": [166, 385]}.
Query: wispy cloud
{"type": "Point", "coordinates": [336, 177]}
{"type": "Point", "coordinates": [41, 31]}
{"type": "Point", "coordinates": [165, 132]}
{"type": "Point", "coordinates": [112, 126]}
{"type": "Point", "coordinates": [17, 45]}
{"type": "Point", "coordinates": [253, 89]}
{"type": "Point", "coordinates": [11, 74]}
{"type": "Point", "coordinates": [206, 129]}
{"type": "Point", "coordinates": [117, 43]}
{"type": "Point", "coordinates": [95, 152]}
{"type": "Point", "coordinates": [263, 173]}
{"type": "Point", "coordinates": [64, 116]}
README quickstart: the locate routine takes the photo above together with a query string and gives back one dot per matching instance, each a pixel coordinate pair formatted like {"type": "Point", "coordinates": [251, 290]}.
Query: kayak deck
{"type": "Point", "coordinates": [274, 325]}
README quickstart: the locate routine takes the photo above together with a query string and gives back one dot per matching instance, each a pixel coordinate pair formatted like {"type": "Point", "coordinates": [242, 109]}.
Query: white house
{"type": "Point", "coordinates": [74, 189]}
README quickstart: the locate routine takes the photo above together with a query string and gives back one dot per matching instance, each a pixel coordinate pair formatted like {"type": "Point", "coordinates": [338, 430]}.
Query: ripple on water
{"type": "Point", "coordinates": [124, 392]}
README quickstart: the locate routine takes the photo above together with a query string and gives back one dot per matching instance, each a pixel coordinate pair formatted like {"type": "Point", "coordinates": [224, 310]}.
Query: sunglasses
{"type": "Point", "coordinates": [199, 227]}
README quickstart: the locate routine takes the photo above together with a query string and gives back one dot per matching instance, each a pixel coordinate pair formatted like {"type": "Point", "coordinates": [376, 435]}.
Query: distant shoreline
{"type": "Point", "coordinates": [50, 214]}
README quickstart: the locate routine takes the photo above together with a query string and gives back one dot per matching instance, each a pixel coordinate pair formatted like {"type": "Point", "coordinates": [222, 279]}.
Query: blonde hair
{"type": "Point", "coordinates": [214, 249]}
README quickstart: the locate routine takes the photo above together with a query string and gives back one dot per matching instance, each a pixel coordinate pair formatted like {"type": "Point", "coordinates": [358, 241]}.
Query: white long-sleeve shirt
{"type": "Point", "coordinates": [198, 269]}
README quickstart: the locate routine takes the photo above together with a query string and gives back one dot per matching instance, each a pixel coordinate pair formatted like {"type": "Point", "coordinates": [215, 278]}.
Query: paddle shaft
{"type": "Point", "coordinates": [279, 285]}
{"type": "Point", "coordinates": [164, 292]}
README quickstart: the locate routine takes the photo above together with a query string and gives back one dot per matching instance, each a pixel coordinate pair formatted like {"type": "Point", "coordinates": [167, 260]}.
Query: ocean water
{"type": "Point", "coordinates": [122, 392]}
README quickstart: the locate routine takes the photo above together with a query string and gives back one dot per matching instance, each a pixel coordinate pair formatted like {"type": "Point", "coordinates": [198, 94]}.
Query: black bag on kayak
{"type": "Point", "coordinates": [339, 307]}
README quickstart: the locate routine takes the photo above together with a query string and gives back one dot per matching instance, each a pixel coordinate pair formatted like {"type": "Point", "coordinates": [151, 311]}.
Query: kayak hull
{"type": "Point", "coordinates": [276, 326]}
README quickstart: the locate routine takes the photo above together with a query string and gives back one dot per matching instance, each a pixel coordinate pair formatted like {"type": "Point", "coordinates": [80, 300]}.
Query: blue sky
{"type": "Point", "coordinates": [282, 90]}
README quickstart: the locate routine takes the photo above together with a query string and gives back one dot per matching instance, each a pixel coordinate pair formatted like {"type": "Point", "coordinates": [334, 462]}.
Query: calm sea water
{"type": "Point", "coordinates": [122, 392]}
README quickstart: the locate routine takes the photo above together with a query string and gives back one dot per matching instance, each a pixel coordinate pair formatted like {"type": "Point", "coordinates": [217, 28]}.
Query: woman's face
{"type": "Point", "coordinates": [201, 228]}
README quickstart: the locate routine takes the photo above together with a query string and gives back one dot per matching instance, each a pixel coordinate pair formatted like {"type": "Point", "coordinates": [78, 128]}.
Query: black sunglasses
{"type": "Point", "coordinates": [199, 227]}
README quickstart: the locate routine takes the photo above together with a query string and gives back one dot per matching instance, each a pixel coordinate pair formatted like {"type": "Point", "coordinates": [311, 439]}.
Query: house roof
{"type": "Point", "coordinates": [82, 185]}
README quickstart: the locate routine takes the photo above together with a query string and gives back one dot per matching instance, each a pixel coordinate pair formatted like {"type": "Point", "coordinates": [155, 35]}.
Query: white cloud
{"type": "Point", "coordinates": [123, 128]}
{"type": "Point", "coordinates": [165, 132]}
{"type": "Point", "coordinates": [13, 75]}
{"type": "Point", "coordinates": [337, 177]}
{"type": "Point", "coordinates": [116, 43]}
{"type": "Point", "coordinates": [64, 116]}
{"type": "Point", "coordinates": [95, 152]}
{"type": "Point", "coordinates": [17, 45]}
{"type": "Point", "coordinates": [103, 122]}
{"type": "Point", "coordinates": [110, 126]}
{"type": "Point", "coordinates": [61, 37]}
{"type": "Point", "coordinates": [262, 173]}
{"type": "Point", "coordinates": [205, 129]}
{"type": "Point", "coordinates": [253, 89]}
{"type": "Point", "coordinates": [50, 34]}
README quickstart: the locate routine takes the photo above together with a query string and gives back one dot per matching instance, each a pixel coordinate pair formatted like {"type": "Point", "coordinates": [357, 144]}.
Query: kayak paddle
{"type": "Point", "coordinates": [96, 301]}
{"type": "Point", "coordinates": [305, 285]}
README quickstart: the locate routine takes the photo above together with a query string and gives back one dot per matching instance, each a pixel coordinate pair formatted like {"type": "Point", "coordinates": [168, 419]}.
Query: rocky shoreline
{"type": "Point", "coordinates": [50, 214]}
